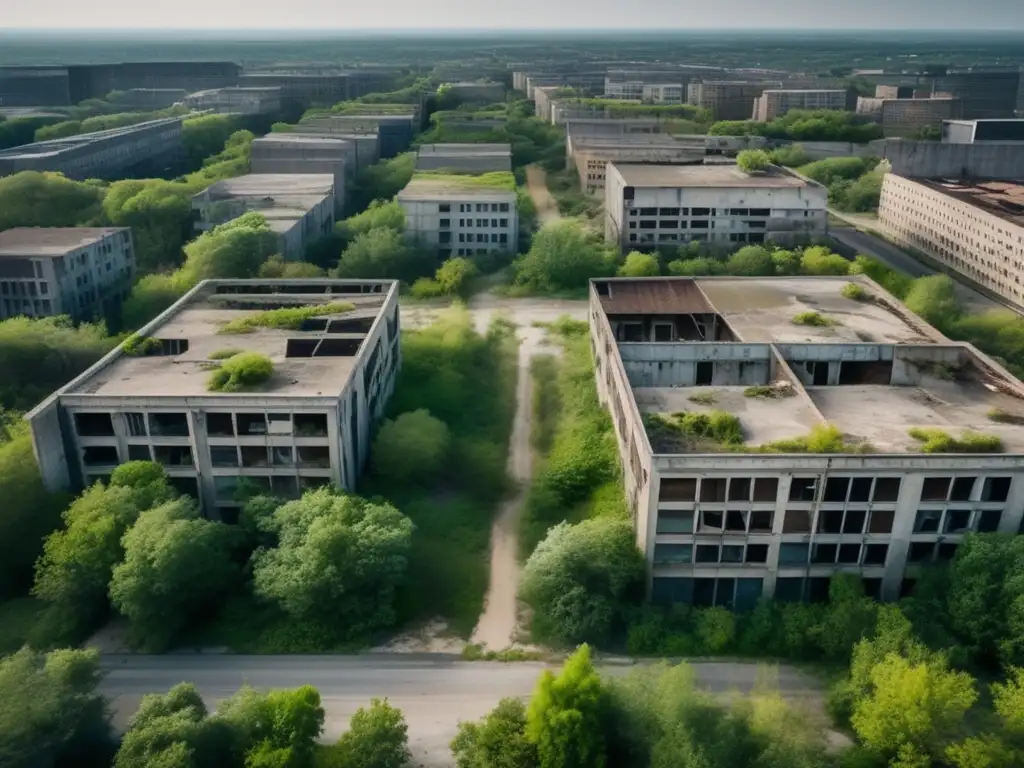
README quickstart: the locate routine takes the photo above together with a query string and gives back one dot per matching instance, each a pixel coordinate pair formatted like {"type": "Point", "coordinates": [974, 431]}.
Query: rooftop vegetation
{"type": "Point", "coordinates": [695, 430]}
{"type": "Point", "coordinates": [938, 441]}
{"type": "Point", "coordinates": [768, 391]}
{"type": "Point", "coordinates": [815, 319]}
{"type": "Point", "coordinates": [241, 371]}
{"type": "Point", "coordinates": [855, 292]}
{"type": "Point", "coordinates": [503, 180]}
{"type": "Point", "coordinates": [823, 438]}
{"type": "Point", "coordinates": [140, 346]}
{"type": "Point", "coordinates": [286, 317]}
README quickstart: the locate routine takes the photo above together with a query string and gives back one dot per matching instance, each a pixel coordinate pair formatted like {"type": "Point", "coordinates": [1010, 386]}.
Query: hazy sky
{"type": "Point", "coordinates": [324, 15]}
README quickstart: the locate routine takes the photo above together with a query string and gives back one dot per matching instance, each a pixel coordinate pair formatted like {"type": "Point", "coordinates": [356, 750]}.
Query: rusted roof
{"type": "Point", "coordinates": [658, 296]}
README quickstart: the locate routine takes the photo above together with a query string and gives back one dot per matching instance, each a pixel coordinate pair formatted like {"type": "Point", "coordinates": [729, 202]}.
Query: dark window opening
{"type": "Point", "coordinates": [675, 522]}
{"type": "Point", "coordinates": [757, 553]}
{"type": "Point", "coordinates": [739, 489]}
{"type": "Point", "coordinates": [139, 453]}
{"type": "Point", "coordinates": [849, 554]}
{"type": "Point", "coordinates": [354, 325]}
{"type": "Point", "coordinates": [603, 289]}
{"type": "Point", "coordinates": [173, 455]}
{"type": "Point", "coordinates": [662, 332]}
{"type": "Point", "coordinates": [678, 489]}
{"type": "Point", "coordinates": [254, 456]}
{"type": "Point", "coordinates": [700, 212]}
{"type": "Point", "coordinates": [705, 373]}
{"type": "Point", "coordinates": [251, 424]}
{"type": "Point", "coordinates": [94, 425]}
{"type": "Point", "coordinates": [223, 455]}
{"type": "Point", "coordinates": [855, 372]}
{"type": "Point", "coordinates": [313, 483]}
{"type": "Point", "coordinates": [875, 554]}
{"type": "Point", "coordinates": [711, 521]}
{"type": "Point", "coordinates": [802, 488]}
{"type": "Point", "coordinates": [712, 489]}
{"type": "Point", "coordinates": [988, 520]}
{"type": "Point", "coordinates": [817, 589]}
{"type": "Point", "coordinates": [836, 488]}
{"type": "Point", "coordinates": [957, 520]}
{"type": "Point", "coordinates": [854, 521]}
{"type": "Point", "coordinates": [314, 456]}
{"type": "Point", "coordinates": [872, 588]}
{"type": "Point", "coordinates": [796, 521]}
{"type": "Point", "coordinates": [881, 521]}
{"type": "Point", "coordinates": [761, 520]}
{"type": "Point", "coordinates": [285, 487]}
{"type": "Point", "coordinates": [168, 425]}
{"type": "Point", "coordinates": [860, 489]}
{"type": "Point", "coordinates": [766, 489]}
{"type": "Point", "coordinates": [704, 593]}
{"type": "Point", "coordinates": [732, 553]}
{"type": "Point", "coordinates": [735, 521]}
{"type": "Point", "coordinates": [887, 489]}
{"type": "Point", "coordinates": [322, 347]}
{"type": "Point", "coordinates": [824, 553]}
{"type": "Point", "coordinates": [830, 521]}
{"type": "Point", "coordinates": [186, 486]}
{"type": "Point", "coordinates": [310, 425]}
{"type": "Point", "coordinates": [962, 487]}
{"type": "Point", "coordinates": [100, 456]}
{"type": "Point", "coordinates": [136, 424]}
{"type": "Point", "coordinates": [219, 425]}
{"type": "Point", "coordinates": [282, 456]}
{"type": "Point", "coordinates": [946, 551]}
{"type": "Point", "coordinates": [935, 488]}
{"type": "Point", "coordinates": [707, 553]}
{"type": "Point", "coordinates": [789, 590]}
{"type": "Point", "coordinates": [995, 489]}
{"type": "Point", "coordinates": [793, 554]}
{"type": "Point", "coordinates": [927, 521]}
{"type": "Point", "coordinates": [760, 212]}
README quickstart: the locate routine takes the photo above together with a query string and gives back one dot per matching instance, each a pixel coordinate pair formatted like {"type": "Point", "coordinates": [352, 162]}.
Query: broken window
{"type": "Point", "coordinates": [860, 490]}
{"type": "Point", "coordinates": [739, 489]}
{"type": "Point", "coordinates": [282, 456]}
{"type": "Point", "coordinates": [802, 488]}
{"type": "Point", "coordinates": [935, 488]}
{"type": "Point", "coordinates": [927, 521]}
{"type": "Point", "coordinates": [849, 554]}
{"type": "Point", "coordinates": [875, 554]}
{"type": "Point", "coordinates": [881, 521]}
{"type": "Point", "coordinates": [223, 455]}
{"type": "Point", "coordinates": [173, 455]}
{"type": "Point", "coordinates": [796, 521]}
{"type": "Point", "coordinates": [675, 522]}
{"type": "Point", "coordinates": [94, 425]}
{"type": "Point", "coordinates": [168, 425]}
{"type": "Point", "coordinates": [962, 487]}
{"type": "Point", "coordinates": [314, 456]}
{"type": "Point", "coordinates": [761, 520]}
{"type": "Point", "coordinates": [830, 521]}
{"type": "Point", "coordinates": [957, 520]}
{"type": "Point", "coordinates": [678, 489]}
{"type": "Point", "coordinates": [995, 489]}
{"type": "Point", "coordinates": [310, 425]}
{"type": "Point", "coordinates": [712, 490]}
{"type": "Point", "coordinates": [279, 423]}
{"type": "Point", "coordinates": [100, 456]}
{"type": "Point", "coordinates": [707, 553]}
{"type": "Point", "coordinates": [757, 553]}
{"type": "Point", "coordinates": [988, 520]}
{"type": "Point", "coordinates": [886, 489]}
{"type": "Point", "coordinates": [836, 488]}
{"type": "Point", "coordinates": [854, 521]}
{"type": "Point", "coordinates": [710, 522]}
{"type": "Point", "coordinates": [252, 424]}
{"type": "Point", "coordinates": [766, 489]}
{"type": "Point", "coordinates": [735, 520]}
{"type": "Point", "coordinates": [220, 425]}
{"type": "Point", "coordinates": [136, 424]}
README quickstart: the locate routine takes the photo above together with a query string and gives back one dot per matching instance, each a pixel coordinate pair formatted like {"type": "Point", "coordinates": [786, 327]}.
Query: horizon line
{"type": "Point", "coordinates": [576, 30]}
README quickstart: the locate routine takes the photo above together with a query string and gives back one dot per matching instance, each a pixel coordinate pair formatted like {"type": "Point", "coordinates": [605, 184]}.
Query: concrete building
{"type": "Point", "coordinates": [464, 158]}
{"type": "Point", "coordinates": [728, 524]}
{"type": "Point", "coordinates": [663, 93]}
{"type": "Point", "coordinates": [650, 205]}
{"type": "Point", "coordinates": [34, 87]}
{"type": "Point", "coordinates": [288, 153]}
{"type": "Point", "coordinates": [481, 93]}
{"type": "Point", "coordinates": [458, 215]}
{"type": "Point", "coordinates": [591, 155]}
{"type": "Point", "coordinates": [299, 207]}
{"type": "Point", "coordinates": [727, 99]}
{"type": "Point", "coordinates": [237, 101]}
{"type": "Point", "coordinates": [152, 98]}
{"type": "Point", "coordinates": [367, 145]}
{"type": "Point", "coordinates": [301, 89]}
{"type": "Point", "coordinates": [775, 103]}
{"type": "Point", "coordinates": [395, 132]}
{"type": "Point", "coordinates": [95, 81]}
{"type": "Point", "coordinates": [629, 83]}
{"type": "Point", "coordinates": [982, 131]}
{"type": "Point", "coordinates": [985, 94]}
{"type": "Point", "coordinates": [905, 117]}
{"type": "Point", "coordinates": [973, 227]}
{"type": "Point", "coordinates": [147, 149]}
{"type": "Point", "coordinates": [309, 425]}
{"type": "Point", "coordinates": [81, 272]}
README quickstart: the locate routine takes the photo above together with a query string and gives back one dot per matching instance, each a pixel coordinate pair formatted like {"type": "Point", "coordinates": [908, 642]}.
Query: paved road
{"type": "Point", "coordinates": [435, 692]}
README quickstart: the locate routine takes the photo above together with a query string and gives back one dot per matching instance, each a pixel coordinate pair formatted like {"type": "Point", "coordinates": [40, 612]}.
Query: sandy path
{"type": "Point", "coordinates": [496, 628]}
{"type": "Point", "coordinates": [537, 186]}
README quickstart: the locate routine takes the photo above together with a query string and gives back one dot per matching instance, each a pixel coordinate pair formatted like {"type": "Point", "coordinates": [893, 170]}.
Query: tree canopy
{"type": "Point", "coordinates": [411, 448]}
{"type": "Point", "coordinates": [640, 265]}
{"type": "Point", "coordinates": [563, 257]}
{"type": "Point", "coordinates": [377, 738]}
{"type": "Point", "coordinates": [160, 215]}
{"type": "Point", "coordinates": [33, 199]}
{"type": "Point", "coordinates": [753, 160]}
{"type": "Point", "coordinates": [381, 252]}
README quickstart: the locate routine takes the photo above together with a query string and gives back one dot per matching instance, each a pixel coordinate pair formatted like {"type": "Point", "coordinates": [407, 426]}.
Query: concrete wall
{"type": "Point", "coordinates": [467, 229]}
{"type": "Point", "coordinates": [675, 364]}
{"type": "Point", "coordinates": [933, 159]}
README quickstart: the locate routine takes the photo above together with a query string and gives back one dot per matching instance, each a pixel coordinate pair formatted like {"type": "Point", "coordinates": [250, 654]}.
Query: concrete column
{"type": "Point", "coordinates": [902, 530]}
{"type": "Point", "coordinates": [772, 565]}
{"type": "Point", "coordinates": [334, 437]}
{"type": "Point", "coordinates": [201, 458]}
{"type": "Point", "coordinates": [1013, 512]}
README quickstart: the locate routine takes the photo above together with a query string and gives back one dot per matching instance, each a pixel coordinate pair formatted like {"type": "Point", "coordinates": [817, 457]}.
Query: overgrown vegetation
{"type": "Point", "coordinates": [501, 180]}
{"type": "Point", "coordinates": [823, 438]}
{"type": "Point", "coordinates": [768, 391]}
{"type": "Point", "coordinates": [244, 370]}
{"type": "Point", "coordinates": [693, 431]}
{"type": "Point", "coordinates": [284, 317]}
{"type": "Point", "coordinates": [805, 125]}
{"type": "Point", "coordinates": [854, 183]}
{"type": "Point", "coordinates": [854, 292]}
{"type": "Point", "coordinates": [814, 319]}
{"type": "Point", "coordinates": [935, 440]}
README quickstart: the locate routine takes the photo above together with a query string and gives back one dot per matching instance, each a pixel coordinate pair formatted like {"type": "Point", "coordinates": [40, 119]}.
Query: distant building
{"type": "Point", "coordinates": [298, 153]}
{"type": "Point", "coordinates": [775, 103]}
{"type": "Point", "coordinates": [629, 83]}
{"type": "Point", "coordinates": [394, 131]}
{"type": "Point", "coordinates": [44, 86]}
{"type": "Point", "coordinates": [650, 205]}
{"type": "Point", "coordinates": [237, 101]}
{"type": "Point", "coordinates": [663, 93]}
{"type": "Point", "coordinates": [904, 117]}
{"type": "Point", "coordinates": [458, 215]}
{"type": "Point", "coordinates": [151, 98]}
{"type": "Point", "coordinates": [974, 228]}
{"type": "Point", "coordinates": [985, 94]}
{"type": "Point", "coordinates": [298, 207]}
{"type": "Point", "coordinates": [486, 92]}
{"type": "Point", "coordinates": [301, 89]}
{"type": "Point", "coordinates": [309, 426]}
{"type": "Point", "coordinates": [591, 155]}
{"type": "Point", "coordinates": [727, 99]}
{"type": "Point", "coordinates": [982, 131]}
{"type": "Point", "coordinates": [464, 158]}
{"type": "Point", "coordinates": [76, 271]}
{"type": "Point", "coordinates": [153, 148]}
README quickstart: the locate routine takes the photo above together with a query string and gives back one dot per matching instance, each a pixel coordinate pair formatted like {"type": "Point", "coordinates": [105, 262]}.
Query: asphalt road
{"type": "Point", "coordinates": [435, 692]}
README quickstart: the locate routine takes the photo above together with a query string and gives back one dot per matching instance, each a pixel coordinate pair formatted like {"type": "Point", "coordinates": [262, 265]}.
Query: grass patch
{"type": "Point", "coordinates": [474, 652]}
{"type": "Point", "coordinates": [768, 392]}
{"type": "Point", "coordinates": [823, 438]}
{"type": "Point", "coordinates": [242, 371]}
{"type": "Point", "coordinates": [689, 431]}
{"type": "Point", "coordinates": [503, 180]}
{"type": "Point", "coordinates": [938, 441]}
{"type": "Point", "coordinates": [285, 317]}
{"type": "Point", "coordinates": [814, 319]}
{"type": "Point", "coordinates": [223, 354]}
{"type": "Point", "coordinates": [854, 292]}
{"type": "Point", "coordinates": [1000, 416]}
{"type": "Point", "coordinates": [703, 398]}
{"type": "Point", "coordinates": [544, 371]}
{"type": "Point", "coordinates": [140, 346]}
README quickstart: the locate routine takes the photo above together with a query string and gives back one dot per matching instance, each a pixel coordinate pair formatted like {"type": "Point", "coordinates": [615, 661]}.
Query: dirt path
{"type": "Point", "coordinates": [497, 626]}
{"type": "Point", "coordinates": [537, 186]}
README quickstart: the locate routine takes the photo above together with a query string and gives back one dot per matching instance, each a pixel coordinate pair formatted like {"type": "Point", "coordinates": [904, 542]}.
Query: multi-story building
{"type": "Point", "coordinates": [395, 132]}
{"type": "Point", "coordinates": [301, 89]}
{"type": "Point", "coordinates": [482, 92]}
{"type": "Point", "coordinates": [663, 93]}
{"type": "Point", "coordinates": [464, 158]}
{"type": "Point", "coordinates": [153, 148]}
{"type": "Point", "coordinates": [460, 215]}
{"type": "Point", "coordinates": [591, 155]}
{"type": "Point", "coordinates": [81, 272]}
{"type": "Point", "coordinates": [151, 98]}
{"type": "Point", "coordinates": [650, 205]}
{"type": "Point", "coordinates": [728, 523]}
{"type": "Point", "coordinates": [904, 117]}
{"type": "Point", "coordinates": [982, 131]}
{"type": "Point", "coordinates": [237, 100]}
{"type": "Point", "coordinates": [34, 87]}
{"type": "Point", "coordinates": [95, 81]}
{"type": "Point", "coordinates": [367, 145]}
{"type": "Point", "coordinates": [291, 153]}
{"type": "Point", "coordinates": [775, 103]}
{"type": "Point", "coordinates": [629, 83]}
{"type": "Point", "coordinates": [985, 94]}
{"type": "Point", "coordinates": [308, 425]}
{"type": "Point", "coordinates": [299, 207]}
{"type": "Point", "coordinates": [974, 228]}
{"type": "Point", "coordinates": [727, 99]}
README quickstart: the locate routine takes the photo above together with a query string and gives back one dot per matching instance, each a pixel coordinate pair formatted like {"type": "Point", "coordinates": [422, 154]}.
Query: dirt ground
{"type": "Point", "coordinates": [536, 185]}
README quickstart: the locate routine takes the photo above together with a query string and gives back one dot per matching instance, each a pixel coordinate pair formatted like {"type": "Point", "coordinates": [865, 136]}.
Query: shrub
{"type": "Point", "coordinates": [639, 265]}
{"type": "Point", "coordinates": [934, 299]}
{"type": "Point", "coordinates": [426, 288]}
{"type": "Point", "coordinates": [753, 160]}
{"type": "Point", "coordinates": [821, 261]}
{"type": "Point", "coordinates": [285, 317]}
{"type": "Point", "coordinates": [455, 275]}
{"type": "Point", "coordinates": [223, 354]}
{"type": "Point", "coordinates": [716, 628]}
{"type": "Point", "coordinates": [695, 267]}
{"type": "Point", "coordinates": [814, 319]}
{"type": "Point", "coordinates": [937, 441]}
{"type": "Point", "coordinates": [411, 448]}
{"type": "Point", "coordinates": [246, 369]}
{"type": "Point", "coordinates": [823, 438]}
{"type": "Point", "coordinates": [140, 346]}
{"type": "Point", "coordinates": [751, 261]}
{"type": "Point", "coordinates": [715, 426]}
{"type": "Point", "coordinates": [855, 292]}
{"type": "Point", "coordinates": [768, 391]}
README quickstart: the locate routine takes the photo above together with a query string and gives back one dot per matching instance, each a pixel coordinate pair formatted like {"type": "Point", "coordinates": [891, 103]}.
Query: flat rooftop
{"type": "Point", "coordinates": [271, 184]}
{"type": "Point", "coordinates": [713, 176]}
{"type": "Point", "coordinates": [197, 318]}
{"type": "Point", "coordinates": [438, 186]}
{"type": "Point", "coordinates": [50, 241]}
{"type": "Point", "coordinates": [465, 150]}
{"type": "Point", "coordinates": [1004, 199]}
{"type": "Point", "coordinates": [55, 146]}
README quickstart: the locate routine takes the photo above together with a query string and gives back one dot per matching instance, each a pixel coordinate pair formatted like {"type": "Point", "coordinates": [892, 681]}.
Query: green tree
{"type": "Point", "coordinates": [581, 579]}
{"type": "Point", "coordinates": [61, 130]}
{"type": "Point", "coordinates": [497, 741]}
{"type": "Point", "coordinates": [565, 719]}
{"type": "Point", "coordinates": [695, 267]}
{"type": "Point", "coordinates": [818, 260]}
{"type": "Point", "coordinates": [380, 253]}
{"type": "Point", "coordinates": [716, 628]}
{"type": "Point", "coordinates": [176, 565]}
{"type": "Point", "coordinates": [640, 265]}
{"type": "Point", "coordinates": [236, 248]}
{"type": "Point", "coordinates": [205, 135]}
{"type": "Point", "coordinates": [160, 215]}
{"type": "Point", "coordinates": [378, 214]}
{"type": "Point", "coordinates": [753, 160]}
{"type": "Point", "coordinates": [563, 256]}
{"type": "Point", "coordinates": [277, 267]}
{"type": "Point", "coordinates": [51, 713]}
{"type": "Point", "coordinates": [412, 448]}
{"type": "Point", "coordinates": [915, 705]}
{"type": "Point", "coordinates": [751, 261]}
{"type": "Point", "coordinates": [849, 618]}
{"type": "Point", "coordinates": [1008, 700]}
{"type": "Point", "coordinates": [377, 738]}
{"type": "Point", "coordinates": [170, 731]}
{"type": "Point", "coordinates": [149, 297]}
{"type": "Point", "coordinates": [934, 299]}
{"type": "Point", "coordinates": [381, 181]}
{"type": "Point", "coordinates": [339, 560]}
{"type": "Point", "coordinates": [985, 751]}
{"type": "Point", "coordinates": [456, 275]}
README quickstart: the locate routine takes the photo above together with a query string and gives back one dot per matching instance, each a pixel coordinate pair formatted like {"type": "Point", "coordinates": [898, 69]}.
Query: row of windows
{"type": "Point", "coordinates": [20, 288]}
{"type": "Point", "coordinates": [753, 237]}
{"type": "Point", "coordinates": [850, 521]}
{"type": "Point", "coordinates": [697, 224]}
{"type": "Point", "coordinates": [35, 308]}
{"type": "Point", "coordinates": [481, 223]}
{"type": "Point", "coordinates": [479, 207]}
{"type": "Point", "coordinates": [175, 424]}
{"type": "Point", "coordinates": [480, 237]}
{"type": "Point", "coordinates": [854, 553]}
{"type": "Point", "coordinates": [755, 212]}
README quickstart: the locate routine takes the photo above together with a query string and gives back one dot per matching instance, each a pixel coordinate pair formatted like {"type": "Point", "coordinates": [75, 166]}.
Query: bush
{"type": "Point", "coordinates": [751, 261]}
{"type": "Point", "coordinates": [564, 256]}
{"type": "Point", "coordinates": [426, 288]}
{"type": "Point", "coordinates": [934, 299]}
{"type": "Point", "coordinates": [639, 265]}
{"type": "Point", "coordinates": [716, 628]}
{"type": "Point", "coordinates": [854, 292]}
{"type": "Point", "coordinates": [937, 441]}
{"type": "Point", "coordinates": [242, 371]}
{"type": "Point", "coordinates": [820, 261]}
{"type": "Point", "coordinates": [376, 738]}
{"type": "Point", "coordinates": [814, 319]}
{"type": "Point", "coordinates": [753, 160]}
{"type": "Point", "coordinates": [792, 156]}
{"type": "Point", "coordinates": [455, 275]}
{"type": "Point", "coordinates": [695, 267]}
{"type": "Point", "coordinates": [411, 448]}
{"type": "Point", "coordinates": [285, 317]}
{"type": "Point", "coordinates": [823, 438]}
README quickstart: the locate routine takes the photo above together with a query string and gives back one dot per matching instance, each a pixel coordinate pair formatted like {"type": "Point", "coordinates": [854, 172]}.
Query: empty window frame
{"type": "Point", "coordinates": [712, 489]}
{"type": "Point", "coordinates": [711, 521]}
{"type": "Point", "coordinates": [94, 425]}
{"type": "Point", "coordinates": [761, 520]}
{"type": "Point", "coordinates": [220, 425]}
{"type": "Point", "coordinates": [310, 425]}
{"type": "Point", "coordinates": [255, 456]}
{"type": "Point", "coordinates": [739, 489]}
{"type": "Point", "coordinates": [962, 488]}
{"type": "Point", "coordinates": [935, 488]}
{"type": "Point", "coordinates": [139, 453]}
{"type": "Point", "coordinates": [314, 456]}
{"type": "Point", "coordinates": [796, 521]}
{"type": "Point", "coordinates": [673, 554]}
{"type": "Point", "coordinates": [956, 521]}
{"type": "Point", "coordinates": [995, 489]}
{"type": "Point", "coordinates": [675, 522]}
{"type": "Point", "coordinates": [168, 425]}
{"type": "Point", "coordinates": [793, 553]}
{"type": "Point", "coordinates": [830, 521]}
{"type": "Point", "coordinates": [766, 489]}
{"type": "Point", "coordinates": [927, 521]}
{"type": "Point", "coordinates": [224, 455]}
{"type": "Point", "coordinates": [988, 520]}
{"type": "Point", "coordinates": [707, 553]}
{"type": "Point", "coordinates": [875, 554]}
{"type": "Point", "coordinates": [100, 456]}
{"type": "Point", "coordinates": [756, 553]}
{"type": "Point", "coordinates": [803, 488]}
{"type": "Point", "coordinates": [678, 489]}
{"type": "Point", "coordinates": [881, 521]}
{"type": "Point", "coordinates": [736, 520]}
{"type": "Point", "coordinates": [887, 489]}
{"type": "Point", "coordinates": [135, 423]}
{"type": "Point", "coordinates": [849, 554]}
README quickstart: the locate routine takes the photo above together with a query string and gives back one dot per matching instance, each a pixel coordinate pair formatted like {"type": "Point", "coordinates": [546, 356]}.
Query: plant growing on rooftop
{"type": "Point", "coordinates": [814, 319]}
{"type": "Point", "coordinates": [938, 441]}
{"type": "Point", "coordinates": [823, 438]}
{"type": "Point", "coordinates": [702, 398]}
{"type": "Point", "coordinates": [1000, 416]}
{"type": "Point", "coordinates": [768, 391]}
{"type": "Point", "coordinates": [285, 317]}
{"type": "Point", "coordinates": [753, 160]}
{"type": "Point", "coordinates": [223, 354]}
{"type": "Point", "coordinates": [854, 292]}
{"type": "Point", "coordinates": [140, 346]}
{"type": "Point", "coordinates": [246, 369]}
{"type": "Point", "coordinates": [718, 426]}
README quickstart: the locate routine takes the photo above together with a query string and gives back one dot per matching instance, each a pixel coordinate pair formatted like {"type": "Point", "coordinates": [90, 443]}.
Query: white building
{"type": "Point", "coordinates": [728, 524]}
{"type": "Point", "coordinates": [650, 205]}
{"type": "Point", "coordinates": [77, 271]}
{"type": "Point", "coordinates": [464, 158]}
{"type": "Point", "coordinates": [298, 206]}
{"type": "Point", "coordinates": [663, 93]}
{"type": "Point", "coordinates": [775, 103]}
{"type": "Point", "coordinates": [973, 228]}
{"type": "Point", "coordinates": [459, 216]}
{"type": "Point", "coordinates": [308, 425]}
